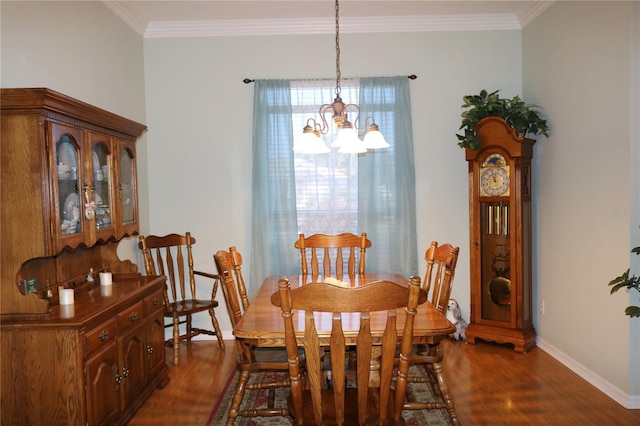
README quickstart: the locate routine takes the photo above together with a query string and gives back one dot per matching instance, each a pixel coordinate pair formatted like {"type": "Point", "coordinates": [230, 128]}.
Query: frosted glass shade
{"type": "Point", "coordinates": [374, 140]}
{"type": "Point", "coordinates": [309, 143]}
{"type": "Point", "coordinates": [349, 142]}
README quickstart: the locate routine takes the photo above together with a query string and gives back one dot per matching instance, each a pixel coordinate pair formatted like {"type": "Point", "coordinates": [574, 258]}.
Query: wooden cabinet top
{"type": "Point", "coordinates": [94, 304]}
{"type": "Point", "coordinates": [48, 102]}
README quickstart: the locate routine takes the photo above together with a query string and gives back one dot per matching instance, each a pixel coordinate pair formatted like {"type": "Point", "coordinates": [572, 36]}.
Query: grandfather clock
{"type": "Point", "coordinates": [500, 233]}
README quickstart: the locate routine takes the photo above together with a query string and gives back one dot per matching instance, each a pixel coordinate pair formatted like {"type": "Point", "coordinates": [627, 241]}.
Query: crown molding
{"type": "Point", "coordinates": [534, 11]}
{"type": "Point", "coordinates": [127, 17]}
{"type": "Point", "coordinates": [377, 24]}
{"type": "Point", "coordinates": [297, 26]}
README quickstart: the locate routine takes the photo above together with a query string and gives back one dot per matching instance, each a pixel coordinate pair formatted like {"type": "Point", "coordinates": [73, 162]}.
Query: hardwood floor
{"type": "Point", "coordinates": [491, 385]}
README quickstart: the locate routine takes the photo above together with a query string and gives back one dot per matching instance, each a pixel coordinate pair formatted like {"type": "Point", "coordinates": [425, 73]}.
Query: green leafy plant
{"type": "Point", "coordinates": [626, 281]}
{"type": "Point", "coordinates": [524, 118]}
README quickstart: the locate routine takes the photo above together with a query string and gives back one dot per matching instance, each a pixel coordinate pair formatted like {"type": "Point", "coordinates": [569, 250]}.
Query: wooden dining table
{"type": "Point", "coordinates": [262, 324]}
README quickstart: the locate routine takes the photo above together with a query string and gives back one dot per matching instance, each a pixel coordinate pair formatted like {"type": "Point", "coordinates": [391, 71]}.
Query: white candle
{"type": "Point", "coordinates": [106, 290]}
{"type": "Point", "coordinates": [106, 278]}
{"type": "Point", "coordinates": [66, 296]}
{"type": "Point", "coordinates": [67, 311]}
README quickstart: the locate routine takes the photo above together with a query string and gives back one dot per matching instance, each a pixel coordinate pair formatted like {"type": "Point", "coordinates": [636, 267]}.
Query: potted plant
{"type": "Point", "coordinates": [524, 118]}
{"type": "Point", "coordinates": [629, 282]}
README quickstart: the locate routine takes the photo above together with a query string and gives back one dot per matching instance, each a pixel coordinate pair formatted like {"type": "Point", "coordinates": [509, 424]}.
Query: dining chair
{"type": "Point", "coordinates": [330, 252]}
{"type": "Point", "coordinates": [339, 404]}
{"type": "Point", "coordinates": [167, 256]}
{"type": "Point", "coordinates": [438, 281]}
{"type": "Point", "coordinates": [249, 359]}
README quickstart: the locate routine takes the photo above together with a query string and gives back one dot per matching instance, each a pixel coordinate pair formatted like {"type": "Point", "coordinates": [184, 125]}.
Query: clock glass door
{"type": "Point", "coordinates": [496, 261]}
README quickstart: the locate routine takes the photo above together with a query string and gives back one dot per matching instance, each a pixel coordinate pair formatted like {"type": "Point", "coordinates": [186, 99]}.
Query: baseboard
{"type": "Point", "coordinates": [613, 392]}
{"type": "Point", "coordinates": [228, 335]}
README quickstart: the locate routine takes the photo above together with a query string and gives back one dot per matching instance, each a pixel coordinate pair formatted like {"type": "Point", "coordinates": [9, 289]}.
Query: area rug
{"type": "Point", "coordinates": [256, 399]}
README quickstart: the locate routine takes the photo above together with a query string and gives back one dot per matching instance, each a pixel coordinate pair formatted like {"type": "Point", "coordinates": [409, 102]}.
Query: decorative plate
{"type": "Point", "coordinates": [67, 154]}
{"type": "Point", "coordinates": [71, 202]}
{"type": "Point", "coordinates": [96, 162]}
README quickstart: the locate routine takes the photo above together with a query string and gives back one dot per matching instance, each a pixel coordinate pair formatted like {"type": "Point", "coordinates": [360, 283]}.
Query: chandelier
{"type": "Point", "coordinates": [347, 140]}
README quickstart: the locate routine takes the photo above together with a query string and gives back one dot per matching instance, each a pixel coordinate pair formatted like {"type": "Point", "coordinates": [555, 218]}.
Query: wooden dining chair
{"type": "Point", "coordinates": [327, 254]}
{"type": "Point", "coordinates": [171, 255]}
{"type": "Point", "coordinates": [339, 404]}
{"type": "Point", "coordinates": [438, 281]}
{"type": "Point", "coordinates": [249, 359]}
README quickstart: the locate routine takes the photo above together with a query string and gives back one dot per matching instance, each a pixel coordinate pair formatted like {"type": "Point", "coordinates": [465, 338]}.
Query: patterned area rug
{"type": "Point", "coordinates": [254, 399]}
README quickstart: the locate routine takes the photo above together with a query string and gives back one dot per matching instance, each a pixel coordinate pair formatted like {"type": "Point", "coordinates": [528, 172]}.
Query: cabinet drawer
{"type": "Point", "coordinates": [100, 336]}
{"type": "Point", "coordinates": [153, 303]}
{"type": "Point", "coordinates": [130, 316]}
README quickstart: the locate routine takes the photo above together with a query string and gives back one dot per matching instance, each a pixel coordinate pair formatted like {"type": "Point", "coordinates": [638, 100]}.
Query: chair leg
{"type": "Point", "coordinates": [433, 379]}
{"type": "Point", "coordinates": [446, 396]}
{"type": "Point", "coordinates": [189, 328]}
{"type": "Point", "coordinates": [237, 397]}
{"type": "Point", "coordinates": [216, 327]}
{"type": "Point", "coordinates": [176, 340]}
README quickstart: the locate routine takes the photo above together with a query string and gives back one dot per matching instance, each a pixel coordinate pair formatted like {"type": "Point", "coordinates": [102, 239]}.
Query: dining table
{"type": "Point", "coordinates": [262, 324]}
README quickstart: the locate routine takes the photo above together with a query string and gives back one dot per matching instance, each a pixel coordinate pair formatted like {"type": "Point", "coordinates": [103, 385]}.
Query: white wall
{"type": "Point", "coordinates": [80, 49]}
{"type": "Point", "coordinates": [200, 115]}
{"type": "Point", "coordinates": [577, 63]}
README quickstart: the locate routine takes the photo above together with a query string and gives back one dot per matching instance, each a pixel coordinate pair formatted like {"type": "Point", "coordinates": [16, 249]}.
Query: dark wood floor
{"type": "Point", "coordinates": [491, 385]}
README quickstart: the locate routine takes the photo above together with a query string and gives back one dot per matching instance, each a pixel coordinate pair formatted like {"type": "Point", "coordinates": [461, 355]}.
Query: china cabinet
{"type": "Point", "coordinates": [69, 196]}
{"type": "Point", "coordinates": [500, 236]}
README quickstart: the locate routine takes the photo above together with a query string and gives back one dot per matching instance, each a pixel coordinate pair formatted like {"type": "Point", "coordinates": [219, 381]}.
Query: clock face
{"type": "Point", "coordinates": [494, 181]}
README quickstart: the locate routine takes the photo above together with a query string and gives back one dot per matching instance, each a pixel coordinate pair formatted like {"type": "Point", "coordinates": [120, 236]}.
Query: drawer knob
{"type": "Point", "coordinates": [155, 301]}
{"type": "Point", "coordinates": [133, 316]}
{"type": "Point", "coordinates": [103, 336]}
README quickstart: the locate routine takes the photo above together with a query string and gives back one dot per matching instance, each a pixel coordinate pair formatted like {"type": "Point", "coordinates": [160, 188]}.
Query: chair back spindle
{"type": "Point", "coordinates": [236, 259]}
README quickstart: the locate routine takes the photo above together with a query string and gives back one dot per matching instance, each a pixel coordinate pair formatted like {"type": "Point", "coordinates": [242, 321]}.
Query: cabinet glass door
{"type": "Point", "coordinates": [127, 188]}
{"type": "Point", "coordinates": [69, 195]}
{"type": "Point", "coordinates": [101, 171]}
{"type": "Point", "coordinates": [68, 186]}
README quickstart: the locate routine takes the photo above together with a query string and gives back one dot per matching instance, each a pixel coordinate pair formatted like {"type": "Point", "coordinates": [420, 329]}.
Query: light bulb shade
{"type": "Point", "coordinates": [310, 143]}
{"type": "Point", "coordinates": [345, 132]}
{"type": "Point", "coordinates": [374, 140]}
{"type": "Point", "coordinates": [349, 142]}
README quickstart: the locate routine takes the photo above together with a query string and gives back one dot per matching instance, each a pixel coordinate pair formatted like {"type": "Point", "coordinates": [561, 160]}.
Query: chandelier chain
{"type": "Point", "coordinates": [338, 75]}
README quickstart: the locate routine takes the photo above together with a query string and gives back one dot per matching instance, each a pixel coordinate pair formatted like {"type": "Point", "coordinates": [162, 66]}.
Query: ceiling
{"type": "Point", "coordinates": [200, 18]}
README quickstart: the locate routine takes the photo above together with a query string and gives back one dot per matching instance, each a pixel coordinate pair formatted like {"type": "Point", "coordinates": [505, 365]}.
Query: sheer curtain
{"type": "Point", "coordinates": [273, 212]}
{"type": "Point", "coordinates": [385, 179]}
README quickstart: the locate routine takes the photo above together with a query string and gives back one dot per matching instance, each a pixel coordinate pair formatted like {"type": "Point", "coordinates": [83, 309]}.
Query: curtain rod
{"type": "Point", "coordinates": [248, 80]}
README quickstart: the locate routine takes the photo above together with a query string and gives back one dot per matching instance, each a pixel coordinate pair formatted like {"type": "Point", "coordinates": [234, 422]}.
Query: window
{"type": "Point", "coordinates": [331, 193]}
{"type": "Point", "coordinates": [326, 184]}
